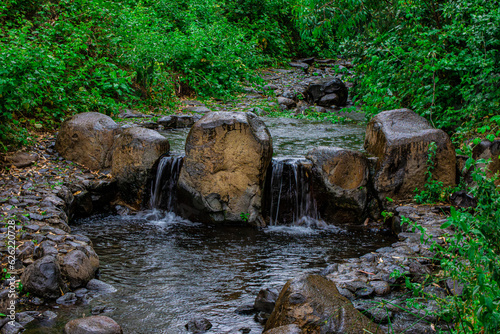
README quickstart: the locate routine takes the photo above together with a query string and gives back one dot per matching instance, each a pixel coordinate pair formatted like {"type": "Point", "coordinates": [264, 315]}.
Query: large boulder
{"type": "Point", "coordinates": [96, 324]}
{"type": "Point", "coordinates": [43, 278]}
{"type": "Point", "coordinates": [227, 155]}
{"type": "Point", "coordinates": [78, 268]}
{"type": "Point", "coordinates": [134, 154]}
{"type": "Point", "coordinates": [327, 92]}
{"type": "Point", "coordinates": [400, 140]}
{"type": "Point", "coordinates": [87, 138]}
{"type": "Point", "coordinates": [313, 303]}
{"type": "Point", "coordinates": [340, 178]}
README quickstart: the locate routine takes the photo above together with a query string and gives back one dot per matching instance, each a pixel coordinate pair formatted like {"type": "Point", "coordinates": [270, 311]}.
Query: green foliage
{"type": "Point", "coordinates": [433, 191]}
{"type": "Point", "coordinates": [471, 258]}
{"type": "Point", "coordinates": [438, 57]}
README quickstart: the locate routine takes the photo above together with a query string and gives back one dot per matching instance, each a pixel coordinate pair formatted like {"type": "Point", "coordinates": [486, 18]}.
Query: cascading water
{"type": "Point", "coordinates": [163, 192]}
{"type": "Point", "coordinates": [288, 194]}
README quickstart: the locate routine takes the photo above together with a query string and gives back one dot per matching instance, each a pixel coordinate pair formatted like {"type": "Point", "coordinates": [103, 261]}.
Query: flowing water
{"type": "Point", "coordinates": [168, 270]}
{"type": "Point", "coordinates": [293, 138]}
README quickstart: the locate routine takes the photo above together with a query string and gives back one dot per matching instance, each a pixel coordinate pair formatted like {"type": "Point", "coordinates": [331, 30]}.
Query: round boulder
{"type": "Point", "coordinates": [96, 324]}
{"type": "Point", "coordinates": [227, 155]}
{"type": "Point", "coordinates": [134, 154]}
{"type": "Point", "coordinates": [78, 269]}
{"type": "Point", "coordinates": [400, 140]}
{"type": "Point", "coordinates": [313, 303]}
{"type": "Point", "coordinates": [87, 138]}
{"type": "Point", "coordinates": [340, 177]}
{"type": "Point", "coordinates": [43, 278]}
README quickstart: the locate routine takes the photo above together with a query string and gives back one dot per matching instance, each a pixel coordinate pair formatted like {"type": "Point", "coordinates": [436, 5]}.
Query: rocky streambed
{"type": "Point", "coordinates": [43, 191]}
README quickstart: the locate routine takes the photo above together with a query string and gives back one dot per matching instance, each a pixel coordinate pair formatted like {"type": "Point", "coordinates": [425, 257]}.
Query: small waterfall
{"type": "Point", "coordinates": [288, 194]}
{"type": "Point", "coordinates": [163, 193]}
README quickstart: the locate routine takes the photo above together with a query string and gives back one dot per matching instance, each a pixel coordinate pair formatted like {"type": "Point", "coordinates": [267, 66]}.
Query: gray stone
{"type": "Point", "coordinates": [96, 324]}
{"type": "Point", "coordinates": [43, 278]}
{"type": "Point", "coordinates": [198, 325]}
{"type": "Point", "coordinates": [67, 299]}
{"type": "Point", "coordinates": [78, 269]}
{"type": "Point", "coordinates": [326, 92]}
{"type": "Point", "coordinates": [265, 300]}
{"type": "Point", "coordinates": [12, 328]}
{"type": "Point", "coordinates": [100, 286]}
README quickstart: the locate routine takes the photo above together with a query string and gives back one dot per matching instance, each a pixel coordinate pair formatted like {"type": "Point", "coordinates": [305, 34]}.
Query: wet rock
{"type": "Point", "coordinates": [340, 178]}
{"type": "Point", "coordinates": [96, 324]}
{"type": "Point", "coordinates": [265, 300]}
{"type": "Point", "coordinates": [178, 121]}
{"type": "Point", "coordinates": [330, 269]}
{"type": "Point", "coordinates": [12, 328]}
{"type": "Point", "coordinates": [87, 138]}
{"type": "Point", "coordinates": [245, 310]}
{"type": "Point", "coordinates": [261, 317]}
{"type": "Point", "coordinates": [134, 154]}
{"type": "Point", "coordinates": [326, 92]}
{"type": "Point", "coordinates": [78, 269]}
{"type": "Point", "coordinates": [287, 329]}
{"type": "Point", "coordinates": [400, 140]}
{"type": "Point", "coordinates": [48, 316]}
{"type": "Point", "coordinates": [24, 318]}
{"type": "Point", "coordinates": [21, 159]}
{"type": "Point", "coordinates": [43, 278]}
{"type": "Point", "coordinates": [198, 325]}
{"type": "Point", "coordinates": [101, 309]}
{"type": "Point", "coordinates": [323, 311]}
{"type": "Point", "coordinates": [67, 299]}
{"type": "Point", "coordinates": [227, 154]}
{"type": "Point", "coordinates": [100, 286]}
{"type": "Point", "coordinates": [46, 248]}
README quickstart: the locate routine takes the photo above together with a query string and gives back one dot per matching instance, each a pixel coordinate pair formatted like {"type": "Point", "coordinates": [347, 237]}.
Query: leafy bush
{"type": "Point", "coordinates": [438, 57]}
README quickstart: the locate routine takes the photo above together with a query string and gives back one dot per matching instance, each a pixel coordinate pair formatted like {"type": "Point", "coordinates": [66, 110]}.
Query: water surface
{"type": "Point", "coordinates": [168, 270]}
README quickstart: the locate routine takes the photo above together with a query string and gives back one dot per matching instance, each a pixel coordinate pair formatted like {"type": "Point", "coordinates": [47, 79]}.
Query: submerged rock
{"type": "Point", "coordinates": [227, 154]}
{"type": "Point", "coordinates": [88, 138]}
{"type": "Point", "coordinates": [265, 300]}
{"type": "Point", "coordinates": [197, 326]}
{"type": "Point", "coordinates": [400, 140]}
{"type": "Point", "coordinates": [341, 179]}
{"type": "Point", "coordinates": [313, 303]}
{"type": "Point", "coordinates": [96, 324]}
{"type": "Point", "coordinates": [134, 154]}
